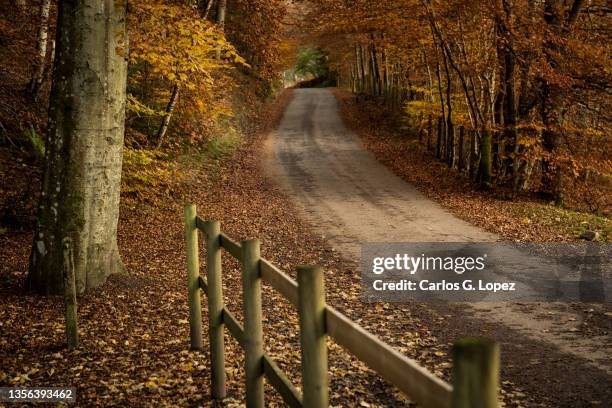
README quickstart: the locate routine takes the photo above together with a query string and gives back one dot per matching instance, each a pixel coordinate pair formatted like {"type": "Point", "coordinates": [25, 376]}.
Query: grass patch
{"type": "Point", "coordinates": [567, 222]}
{"type": "Point", "coordinates": [37, 143]}
{"type": "Point", "coordinates": [223, 145]}
{"type": "Point", "coordinates": [218, 149]}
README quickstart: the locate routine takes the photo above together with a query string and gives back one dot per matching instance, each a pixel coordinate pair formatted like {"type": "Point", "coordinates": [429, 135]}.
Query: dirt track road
{"type": "Point", "coordinates": [350, 198]}
{"type": "Point", "coordinates": [345, 191]}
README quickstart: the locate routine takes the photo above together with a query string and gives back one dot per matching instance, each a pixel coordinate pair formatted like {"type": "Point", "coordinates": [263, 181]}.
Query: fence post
{"type": "Point", "coordinates": [253, 331]}
{"type": "Point", "coordinates": [72, 327]}
{"type": "Point", "coordinates": [311, 293]}
{"type": "Point", "coordinates": [475, 374]}
{"type": "Point", "coordinates": [193, 273]}
{"type": "Point", "coordinates": [215, 308]}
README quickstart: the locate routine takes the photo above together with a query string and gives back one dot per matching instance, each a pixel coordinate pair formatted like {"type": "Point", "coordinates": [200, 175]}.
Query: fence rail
{"type": "Point", "coordinates": [476, 362]}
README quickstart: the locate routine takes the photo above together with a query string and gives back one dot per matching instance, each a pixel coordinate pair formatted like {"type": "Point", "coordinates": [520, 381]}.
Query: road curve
{"type": "Point", "coordinates": [344, 190]}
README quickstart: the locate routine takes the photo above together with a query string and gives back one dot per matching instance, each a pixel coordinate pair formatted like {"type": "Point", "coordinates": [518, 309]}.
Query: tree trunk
{"type": "Point", "coordinates": [450, 146]}
{"type": "Point", "coordinates": [385, 81]}
{"type": "Point", "coordinates": [449, 127]}
{"type": "Point", "coordinates": [41, 55]}
{"type": "Point", "coordinates": [472, 159]}
{"type": "Point", "coordinates": [439, 78]}
{"type": "Point", "coordinates": [373, 70]}
{"type": "Point", "coordinates": [485, 159]}
{"type": "Point", "coordinates": [365, 71]}
{"type": "Point", "coordinates": [460, 162]}
{"type": "Point", "coordinates": [221, 10]}
{"type": "Point", "coordinates": [161, 133]}
{"type": "Point", "coordinates": [398, 87]}
{"type": "Point", "coordinates": [552, 97]}
{"type": "Point", "coordinates": [357, 71]}
{"type": "Point", "coordinates": [205, 7]}
{"type": "Point", "coordinates": [376, 77]}
{"type": "Point", "coordinates": [551, 118]}
{"type": "Point", "coordinates": [507, 61]}
{"type": "Point", "coordinates": [420, 131]}
{"type": "Point", "coordinates": [439, 140]}
{"type": "Point", "coordinates": [429, 133]}
{"type": "Point", "coordinates": [82, 181]}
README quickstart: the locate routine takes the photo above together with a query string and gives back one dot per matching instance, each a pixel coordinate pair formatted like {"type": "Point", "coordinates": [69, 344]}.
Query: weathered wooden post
{"type": "Point", "coordinates": [215, 308]}
{"type": "Point", "coordinates": [475, 374]}
{"type": "Point", "coordinates": [193, 273]}
{"type": "Point", "coordinates": [72, 327]}
{"type": "Point", "coordinates": [253, 330]}
{"type": "Point", "coordinates": [311, 302]}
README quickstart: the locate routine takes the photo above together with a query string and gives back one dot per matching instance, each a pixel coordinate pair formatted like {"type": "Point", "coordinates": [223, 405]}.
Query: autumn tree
{"type": "Point", "coordinates": [174, 52]}
{"type": "Point", "coordinates": [256, 29]}
{"type": "Point", "coordinates": [80, 193]}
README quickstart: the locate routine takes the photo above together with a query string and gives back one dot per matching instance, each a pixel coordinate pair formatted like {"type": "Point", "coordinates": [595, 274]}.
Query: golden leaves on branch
{"type": "Point", "coordinates": [172, 44]}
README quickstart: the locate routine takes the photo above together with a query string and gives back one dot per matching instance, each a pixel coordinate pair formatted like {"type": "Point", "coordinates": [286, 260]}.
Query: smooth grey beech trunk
{"type": "Point", "coordinates": [41, 54]}
{"type": "Point", "coordinates": [221, 10]}
{"type": "Point", "coordinates": [81, 186]}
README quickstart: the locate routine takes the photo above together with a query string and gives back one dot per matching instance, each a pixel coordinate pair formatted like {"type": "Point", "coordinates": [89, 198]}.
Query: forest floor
{"type": "Point", "coordinates": [135, 333]}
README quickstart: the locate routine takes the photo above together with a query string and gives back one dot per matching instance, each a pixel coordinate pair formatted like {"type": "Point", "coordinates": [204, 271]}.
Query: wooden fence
{"type": "Point", "coordinates": [475, 362]}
